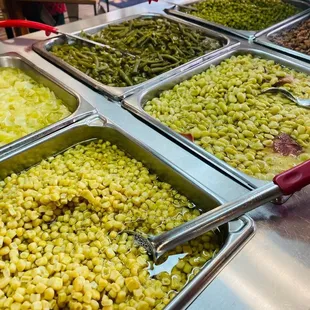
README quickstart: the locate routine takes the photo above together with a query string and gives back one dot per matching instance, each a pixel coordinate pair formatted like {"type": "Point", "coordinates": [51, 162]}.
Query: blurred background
{"type": "Point", "coordinates": [45, 11]}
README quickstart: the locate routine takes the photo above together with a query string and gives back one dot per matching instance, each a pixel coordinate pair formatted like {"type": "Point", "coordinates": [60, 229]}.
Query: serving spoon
{"type": "Point", "coordinates": [191, 8]}
{"type": "Point", "coordinates": [17, 23]}
{"type": "Point", "coordinates": [286, 183]}
{"type": "Point", "coordinates": [301, 102]}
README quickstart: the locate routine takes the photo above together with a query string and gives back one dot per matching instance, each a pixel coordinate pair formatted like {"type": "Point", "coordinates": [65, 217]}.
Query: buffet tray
{"type": "Point", "coordinates": [246, 34]}
{"type": "Point", "coordinates": [136, 103]}
{"type": "Point", "coordinates": [233, 235]}
{"type": "Point", "coordinates": [78, 107]}
{"type": "Point", "coordinates": [43, 48]}
{"type": "Point", "coordinates": [264, 39]}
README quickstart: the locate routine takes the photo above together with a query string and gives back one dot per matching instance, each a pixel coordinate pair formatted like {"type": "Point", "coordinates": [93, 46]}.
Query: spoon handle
{"type": "Point", "coordinates": [286, 183]}
{"type": "Point", "coordinates": [283, 91]}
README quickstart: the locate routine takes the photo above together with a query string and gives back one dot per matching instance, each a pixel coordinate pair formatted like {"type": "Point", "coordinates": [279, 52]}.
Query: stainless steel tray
{"type": "Point", "coordinates": [78, 107]}
{"type": "Point", "coordinates": [136, 103]}
{"type": "Point", "coordinates": [264, 39]}
{"type": "Point", "coordinates": [44, 47]}
{"type": "Point", "coordinates": [234, 235]}
{"type": "Point", "coordinates": [175, 10]}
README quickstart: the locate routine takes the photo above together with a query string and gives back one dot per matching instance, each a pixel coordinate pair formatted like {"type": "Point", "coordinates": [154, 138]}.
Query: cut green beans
{"type": "Point", "coordinates": [244, 14]}
{"type": "Point", "coordinates": [158, 45]}
{"type": "Point", "coordinates": [225, 112]}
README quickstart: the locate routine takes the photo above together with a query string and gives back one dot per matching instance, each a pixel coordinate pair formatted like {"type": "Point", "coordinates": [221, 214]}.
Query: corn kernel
{"type": "Point", "coordinates": [78, 284]}
{"type": "Point", "coordinates": [132, 283]}
{"type": "Point", "coordinates": [55, 283]}
{"type": "Point", "coordinates": [40, 288]}
{"type": "Point", "coordinates": [37, 305]}
{"type": "Point", "coordinates": [18, 297]}
{"type": "Point", "coordinates": [35, 297]}
{"type": "Point", "coordinates": [49, 293]}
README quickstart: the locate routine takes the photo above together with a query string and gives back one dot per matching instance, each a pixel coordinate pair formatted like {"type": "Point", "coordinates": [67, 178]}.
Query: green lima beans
{"type": "Point", "coordinates": [244, 14]}
{"type": "Point", "coordinates": [158, 44]}
{"type": "Point", "coordinates": [223, 109]}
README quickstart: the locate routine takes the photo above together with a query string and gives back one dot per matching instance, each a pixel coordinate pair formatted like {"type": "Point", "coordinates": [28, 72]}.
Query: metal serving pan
{"type": "Point", "coordinates": [264, 39]}
{"type": "Point", "coordinates": [44, 47]}
{"type": "Point", "coordinates": [234, 235]}
{"type": "Point", "coordinates": [136, 103]}
{"type": "Point", "coordinates": [78, 107]}
{"type": "Point", "coordinates": [175, 10]}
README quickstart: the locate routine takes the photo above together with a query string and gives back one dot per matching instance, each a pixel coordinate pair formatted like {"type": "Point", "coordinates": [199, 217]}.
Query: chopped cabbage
{"type": "Point", "coordinates": [25, 105]}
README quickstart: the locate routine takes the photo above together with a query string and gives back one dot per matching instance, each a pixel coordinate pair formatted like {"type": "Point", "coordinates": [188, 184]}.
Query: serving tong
{"type": "Point", "coordinates": [286, 183]}
{"type": "Point", "coordinates": [301, 102]}
{"type": "Point", "coordinates": [17, 23]}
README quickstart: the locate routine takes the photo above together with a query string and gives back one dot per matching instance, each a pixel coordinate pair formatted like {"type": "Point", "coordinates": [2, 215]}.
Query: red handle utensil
{"type": "Point", "coordinates": [294, 179]}
{"type": "Point", "coordinates": [18, 23]}
{"type": "Point", "coordinates": [50, 29]}
{"type": "Point", "coordinates": [286, 183]}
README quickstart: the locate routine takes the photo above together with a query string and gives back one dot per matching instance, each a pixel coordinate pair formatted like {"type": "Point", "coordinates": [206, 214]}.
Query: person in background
{"type": "Point", "coordinates": [49, 13]}
{"type": "Point", "coordinates": [57, 11]}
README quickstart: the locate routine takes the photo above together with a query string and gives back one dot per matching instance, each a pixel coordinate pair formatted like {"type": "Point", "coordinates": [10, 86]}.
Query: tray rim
{"type": "Point", "coordinates": [263, 39]}
{"type": "Point", "coordinates": [82, 110]}
{"type": "Point", "coordinates": [133, 105]}
{"type": "Point", "coordinates": [239, 231]}
{"type": "Point", "coordinates": [245, 34]}
{"type": "Point", "coordinates": [118, 93]}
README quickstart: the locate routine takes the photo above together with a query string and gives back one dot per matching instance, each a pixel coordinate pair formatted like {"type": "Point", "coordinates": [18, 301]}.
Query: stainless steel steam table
{"type": "Point", "coordinates": [273, 270]}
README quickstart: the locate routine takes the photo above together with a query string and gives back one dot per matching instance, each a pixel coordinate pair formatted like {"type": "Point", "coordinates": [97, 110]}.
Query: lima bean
{"type": "Point", "coordinates": [248, 132]}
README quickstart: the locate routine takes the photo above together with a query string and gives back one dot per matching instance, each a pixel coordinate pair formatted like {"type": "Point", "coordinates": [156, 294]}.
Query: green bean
{"type": "Point", "coordinates": [96, 60]}
{"type": "Point", "coordinates": [136, 66]}
{"type": "Point", "coordinates": [160, 69]}
{"type": "Point", "coordinates": [102, 68]}
{"type": "Point", "coordinates": [158, 44]}
{"type": "Point", "coordinates": [168, 57]}
{"type": "Point", "coordinates": [86, 64]}
{"type": "Point", "coordinates": [125, 77]}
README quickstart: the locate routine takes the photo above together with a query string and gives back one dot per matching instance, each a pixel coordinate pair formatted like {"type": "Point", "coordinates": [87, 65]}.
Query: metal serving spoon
{"type": "Point", "coordinates": [302, 102]}
{"type": "Point", "coordinates": [187, 7]}
{"type": "Point", "coordinates": [50, 29]}
{"type": "Point", "coordinates": [285, 183]}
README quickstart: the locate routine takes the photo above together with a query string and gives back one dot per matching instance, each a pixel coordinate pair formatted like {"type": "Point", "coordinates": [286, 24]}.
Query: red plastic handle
{"type": "Point", "coordinates": [295, 179]}
{"type": "Point", "coordinates": [27, 24]}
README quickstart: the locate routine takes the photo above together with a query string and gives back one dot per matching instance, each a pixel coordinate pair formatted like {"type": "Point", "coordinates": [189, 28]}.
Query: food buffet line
{"type": "Point", "coordinates": [259, 261]}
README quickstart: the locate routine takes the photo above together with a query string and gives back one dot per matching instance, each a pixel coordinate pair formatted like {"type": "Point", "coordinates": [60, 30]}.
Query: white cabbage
{"type": "Point", "coordinates": [25, 105]}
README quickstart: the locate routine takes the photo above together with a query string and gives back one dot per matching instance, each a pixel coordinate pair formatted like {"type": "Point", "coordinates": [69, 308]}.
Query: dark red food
{"type": "Point", "coordinates": [297, 38]}
{"type": "Point", "coordinates": [285, 80]}
{"type": "Point", "coordinates": [188, 136]}
{"type": "Point", "coordinates": [286, 145]}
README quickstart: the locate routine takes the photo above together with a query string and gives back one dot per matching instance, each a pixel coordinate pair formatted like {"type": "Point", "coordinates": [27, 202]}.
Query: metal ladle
{"type": "Point", "coordinates": [301, 102]}
{"type": "Point", "coordinates": [285, 183]}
